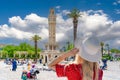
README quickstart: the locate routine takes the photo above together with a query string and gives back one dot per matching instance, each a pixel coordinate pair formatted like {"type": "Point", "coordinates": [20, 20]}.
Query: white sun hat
{"type": "Point", "coordinates": [89, 48]}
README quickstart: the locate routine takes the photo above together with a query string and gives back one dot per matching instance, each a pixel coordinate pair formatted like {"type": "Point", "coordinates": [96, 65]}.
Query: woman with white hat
{"type": "Point", "coordinates": [85, 66]}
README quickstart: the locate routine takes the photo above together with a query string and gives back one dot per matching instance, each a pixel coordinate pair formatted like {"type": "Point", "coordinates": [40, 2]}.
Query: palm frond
{"type": "Point", "coordinates": [36, 38]}
{"type": "Point", "coordinates": [75, 13]}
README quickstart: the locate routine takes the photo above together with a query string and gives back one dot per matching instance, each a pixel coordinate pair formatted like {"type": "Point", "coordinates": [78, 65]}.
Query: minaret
{"type": "Point", "coordinates": [52, 30]}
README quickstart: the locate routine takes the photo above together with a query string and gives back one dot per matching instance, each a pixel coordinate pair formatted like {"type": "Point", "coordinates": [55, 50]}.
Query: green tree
{"type": "Point", "coordinates": [10, 50]}
{"type": "Point", "coordinates": [115, 50]}
{"type": "Point", "coordinates": [3, 54]}
{"type": "Point", "coordinates": [30, 54]}
{"type": "Point", "coordinates": [102, 44]}
{"type": "Point", "coordinates": [75, 14]}
{"type": "Point", "coordinates": [25, 47]}
{"type": "Point", "coordinates": [69, 46]}
{"type": "Point", "coordinates": [36, 38]}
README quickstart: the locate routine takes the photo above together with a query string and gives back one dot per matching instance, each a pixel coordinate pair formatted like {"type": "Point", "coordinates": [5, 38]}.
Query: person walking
{"type": "Point", "coordinates": [85, 66]}
{"type": "Point", "coordinates": [14, 65]}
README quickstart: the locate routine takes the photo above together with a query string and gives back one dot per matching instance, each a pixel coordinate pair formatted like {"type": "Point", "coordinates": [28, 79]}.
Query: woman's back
{"type": "Point", "coordinates": [75, 72]}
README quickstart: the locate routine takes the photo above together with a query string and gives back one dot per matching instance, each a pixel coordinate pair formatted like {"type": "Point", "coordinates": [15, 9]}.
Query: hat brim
{"type": "Point", "coordinates": [92, 58]}
{"type": "Point", "coordinates": [86, 55]}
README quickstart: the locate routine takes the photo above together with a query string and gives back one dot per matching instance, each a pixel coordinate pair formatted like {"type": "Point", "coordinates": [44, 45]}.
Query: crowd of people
{"type": "Point", "coordinates": [30, 72]}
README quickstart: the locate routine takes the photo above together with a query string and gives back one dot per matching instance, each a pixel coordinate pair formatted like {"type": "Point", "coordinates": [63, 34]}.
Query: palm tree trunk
{"type": "Point", "coordinates": [102, 50]}
{"type": "Point", "coordinates": [75, 22]}
{"type": "Point", "coordinates": [36, 50]}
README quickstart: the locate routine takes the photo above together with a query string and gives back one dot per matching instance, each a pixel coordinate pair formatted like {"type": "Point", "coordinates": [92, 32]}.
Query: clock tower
{"type": "Point", "coordinates": [52, 30]}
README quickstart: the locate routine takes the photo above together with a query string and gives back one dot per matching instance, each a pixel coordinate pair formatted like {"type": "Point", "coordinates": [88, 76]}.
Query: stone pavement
{"type": "Point", "coordinates": [7, 74]}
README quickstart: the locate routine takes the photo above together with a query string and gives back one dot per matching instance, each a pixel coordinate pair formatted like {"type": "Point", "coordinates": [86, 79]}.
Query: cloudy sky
{"type": "Point", "coordinates": [21, 19]}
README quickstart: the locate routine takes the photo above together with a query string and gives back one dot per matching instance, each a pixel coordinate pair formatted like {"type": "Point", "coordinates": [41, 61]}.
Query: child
{"type": "Point", "coordinates": [24, 75]}
{"type": "Point", "coordinates": [28, 66]}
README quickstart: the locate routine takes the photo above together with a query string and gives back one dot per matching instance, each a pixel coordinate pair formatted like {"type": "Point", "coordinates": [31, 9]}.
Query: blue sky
{"type": "Point", "coordinates": [21, 8]}
{"type": "Point", "coordinates": [18, 19]}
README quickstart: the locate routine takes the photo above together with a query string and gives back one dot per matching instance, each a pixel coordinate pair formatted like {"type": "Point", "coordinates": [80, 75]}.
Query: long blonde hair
{"type": "Point", "coordinates": [90, 70]}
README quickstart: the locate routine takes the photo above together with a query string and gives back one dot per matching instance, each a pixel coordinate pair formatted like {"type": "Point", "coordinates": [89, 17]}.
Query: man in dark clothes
{"type": "Point", "coordinates": [14, 65]}
{"type": "Point", "coordinates": [104, 64]}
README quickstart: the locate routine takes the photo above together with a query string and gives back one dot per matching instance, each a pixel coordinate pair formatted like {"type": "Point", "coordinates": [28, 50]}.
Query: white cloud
{"type": "Point", "coordinates": [99, 24]}
{"type": "Point", "coordinates": [16, 21]}
{"type": "Point", "coordinates": [44, 33]}
{"type": "Point", "coordinates": [3, 30]}
{"type": "Point", "coordinates": [19, 34]}
{"type": "Point", "coordinates": [34, 18]}
{"type": "Point", "coordinates": [95, 22]}
{"type": "Point", "coordinates": [24, 28]}
{"type": "Point", "coordinates": [60, 36]}
{"type": "Point", "coordinates": [7, 32]}
{"type": "Point", "coordinates": [31, 23]}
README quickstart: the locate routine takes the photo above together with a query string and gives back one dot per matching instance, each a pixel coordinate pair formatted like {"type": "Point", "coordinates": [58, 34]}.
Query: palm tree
{"type": "Point", "coordinates": [75, 14]}
{"type": "Point", "coordinates": [36, 38]}
{"type": "Point", "coordinates": [68, 45]}
{"type": "Point", "coordinates": [107, 45]}
{"type": "Point", "coordinates": [101, 44]}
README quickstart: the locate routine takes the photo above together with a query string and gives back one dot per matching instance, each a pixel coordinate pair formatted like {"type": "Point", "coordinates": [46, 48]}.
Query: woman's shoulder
{"type": "Point", "coordinates": [73, 67]}
{"type": "Point", "coordinates": [69, 65]}
{"type": "Point", "coordinates": [73, 64]}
